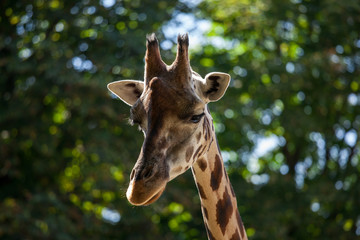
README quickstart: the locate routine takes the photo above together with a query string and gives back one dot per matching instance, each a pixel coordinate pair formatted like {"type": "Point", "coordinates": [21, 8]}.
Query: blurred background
{"type": "Point", "coordinates": [288, 125]}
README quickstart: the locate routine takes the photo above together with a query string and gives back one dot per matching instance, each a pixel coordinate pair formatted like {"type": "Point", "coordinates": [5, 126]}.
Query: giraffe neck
{"type": "Point", "coordinates": [218, 201]}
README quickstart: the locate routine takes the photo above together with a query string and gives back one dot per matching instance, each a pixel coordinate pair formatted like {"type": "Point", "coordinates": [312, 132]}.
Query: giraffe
{"type": "Point", "coordinates": [170, 107]}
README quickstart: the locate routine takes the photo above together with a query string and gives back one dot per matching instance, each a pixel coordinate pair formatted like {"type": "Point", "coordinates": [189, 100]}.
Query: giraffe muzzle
{"type": "Point", "coordinates": [140, 193]}
{"type": "Point", "coordinates": [142, 174]}
{"type": "Point", "coordinates": [146, 184]}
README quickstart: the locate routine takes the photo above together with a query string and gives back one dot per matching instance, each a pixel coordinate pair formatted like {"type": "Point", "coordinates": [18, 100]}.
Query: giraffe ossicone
{"type": "Point", "coordinates": [170, 107]}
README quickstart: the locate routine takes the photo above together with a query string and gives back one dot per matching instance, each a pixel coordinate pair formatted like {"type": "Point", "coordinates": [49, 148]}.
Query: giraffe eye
{"type": "Point", "coordinates": [197, 118]}
{"type": "Point", "coordinates": [134, 118]}
{"type": "Point", "coordinates": [133, 122]}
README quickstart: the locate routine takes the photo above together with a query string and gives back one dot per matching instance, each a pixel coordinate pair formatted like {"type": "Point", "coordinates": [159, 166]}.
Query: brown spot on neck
{"type": "Point", "coordinates": [236, 235]}
{"type": "Point", "coordinates": [201, 162]}
{"type": "Point", "coordinates": [201, 191]}
{"type": "Point", "coordinates": [216, 174]}
{"type": "Point", "coordinates": [205, 212]}
{"type": "Point", "coordinates": [224, 210]}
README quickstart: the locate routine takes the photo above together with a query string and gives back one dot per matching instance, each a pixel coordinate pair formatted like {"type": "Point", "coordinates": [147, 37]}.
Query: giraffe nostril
{"type": "Point", "coordinates": [132, 175]}
{"type": "Point", "coordinates": [147, 173]}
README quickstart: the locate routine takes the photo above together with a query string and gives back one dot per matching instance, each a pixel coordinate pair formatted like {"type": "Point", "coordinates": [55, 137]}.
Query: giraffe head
{"type": "Point", "coordinates": [169, 106]}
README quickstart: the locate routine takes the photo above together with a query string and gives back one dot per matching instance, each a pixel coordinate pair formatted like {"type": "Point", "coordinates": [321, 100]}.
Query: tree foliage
{"type": "Point", "coordinates": [66, 149]}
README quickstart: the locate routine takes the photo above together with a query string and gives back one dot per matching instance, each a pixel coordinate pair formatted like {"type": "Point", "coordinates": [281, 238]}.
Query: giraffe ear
{"type": "Point", "coordinates": [215, 85]}
{"type": "Point", "coordinates": [127, 90]}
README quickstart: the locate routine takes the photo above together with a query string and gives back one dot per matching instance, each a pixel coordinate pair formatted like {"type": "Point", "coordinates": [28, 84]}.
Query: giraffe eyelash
{"type": "Point", "coordinates": [133, 122]}
{"type": "Point", "coordinates": [130, 122]}
{"type": "Point", "coordinates": [197, 118]}
{"type": "Point", "coordinates": [132, 119]}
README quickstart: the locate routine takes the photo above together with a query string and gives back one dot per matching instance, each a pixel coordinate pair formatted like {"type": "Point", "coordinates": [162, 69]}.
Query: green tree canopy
{"type": "Point", "coordinates": [288, 125]}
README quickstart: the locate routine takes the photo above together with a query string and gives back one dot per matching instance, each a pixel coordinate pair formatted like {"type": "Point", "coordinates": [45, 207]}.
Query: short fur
{"type": "Point", "coordinates": [170, 107]}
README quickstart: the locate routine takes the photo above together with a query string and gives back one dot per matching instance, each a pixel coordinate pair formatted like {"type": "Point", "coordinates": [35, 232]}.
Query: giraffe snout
{"type": "Point", "coordinates": [142, 174]}
{"type": "Point", "coordinates": [146, 185]}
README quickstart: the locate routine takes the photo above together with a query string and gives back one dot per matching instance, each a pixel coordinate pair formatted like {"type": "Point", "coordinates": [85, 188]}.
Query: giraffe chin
{"type": "Point", "coordinates": [154, 198]}
{"type": "Point", "coordinates": [143, 201]}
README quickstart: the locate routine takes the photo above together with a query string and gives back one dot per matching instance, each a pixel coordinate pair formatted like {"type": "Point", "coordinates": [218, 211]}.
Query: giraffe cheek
{"type": "Point", "coordinates": [178, 170]}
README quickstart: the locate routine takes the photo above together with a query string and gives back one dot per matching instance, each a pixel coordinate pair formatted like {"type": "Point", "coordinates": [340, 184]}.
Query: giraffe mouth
{"type": "Point", "coordinates": [141, 197]}
{"type": "Point", "coordinates": [155, 197]}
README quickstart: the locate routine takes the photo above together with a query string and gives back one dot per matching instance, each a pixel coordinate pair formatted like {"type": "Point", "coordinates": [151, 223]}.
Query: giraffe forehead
{"type": "Point", "coordinates": [163, 97]}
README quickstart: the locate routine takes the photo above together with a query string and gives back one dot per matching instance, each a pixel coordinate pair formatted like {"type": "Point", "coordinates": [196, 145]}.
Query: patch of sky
{"type": "Point", "coordinates": [350, 66]}
{"type": "Point", "coordinates": [191, 3]}
{"type": "Point", "coordinates": [107, 3]}
{"type": "Point", "coordinates": [185, 23]}
{"type": "Point", "coordinates": [229, 113]}
{"type": "Point", "coordinates": [320, 143]}
{"type": "Point", "coordinates": [59, 27]}
{"type": "Point", "coordinates": [353, 99]}
{"type": "Point", "coordinates": [284, 169]}
{"type": "Point", "coordinates": [339, 132]}
{"type": "Point", "coordinates": [20, 30]}
{"type": "Point", "coordinates": [89, 10]}
{"type": "Point", "coordinates": [197, 28]}
{"type": "Point", "coordinates": [351, 138]}
{"type": "Point", "coordinates": [315, 206]}
{"type": "Point", "coordinates": [263, 145]}
{"type": "Point", "coordinates": [334, 152]}
{"type": "Point", "coordinates": [231, 156]}
{"type": "Point", "coordinates": [343, 157]}
{"type": "Point", "coordinates": [357, 231]}
{"type": "Point", "coordinates": [25, 53]}
{"type": "Point", "coordinates": [285, 29]}
{"type": "Point", "coordinates": [80, 63]}
{"type": "Point", "coordinates": [357, 43]}
{"type": "Point", "coordinates": [339, 49]}
{"type": "Point", "coordinates": [110, 215]}
{"type": "Point", "coordinates": [301, 171]}
{"type": "Point", "coordinates": [290, 67]}
{"type": "Point", "coordinates": [339, 185]}
{"type": "Point", "coordinates": [301, 96]}
{"type": "Point", "coordinates": [260, 179]}
{"type": "Point", "coordinates": [242, 72]}
{"type": "Point", "coordinates": [334, 58]}
{"type": "Point", "coordinates": [277, 107]}
{"type": "Point", "coordinates": [83, 47]}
